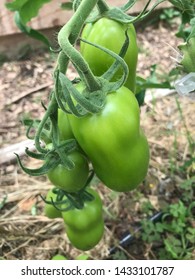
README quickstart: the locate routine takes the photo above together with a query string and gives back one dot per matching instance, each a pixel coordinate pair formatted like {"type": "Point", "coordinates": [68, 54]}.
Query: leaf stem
{"type": "Point", "coordinates": [51, 108]}
{"type": "Point", "coordinates": [102, 6]}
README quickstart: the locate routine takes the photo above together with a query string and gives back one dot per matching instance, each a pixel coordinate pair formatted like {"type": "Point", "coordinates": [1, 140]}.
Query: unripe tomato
{"type": "Point", "coordinates": [64, 126]}
{"type": "Point", "coordinates": [58, 257]}
{"type": "Point", "coordinates": [70, 180]}
{"type": "Point", "coordinates": [111, 35]}
{"type": "Point", "coordinates": [85, 227]}
{"type": "Point", "coordinates": [113, 141]}
{"type": "Point", "coordinates": [49, 210]}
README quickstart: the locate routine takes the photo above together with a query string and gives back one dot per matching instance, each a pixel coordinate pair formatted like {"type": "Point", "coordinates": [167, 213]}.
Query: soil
{"type": "Point", "coordinates": [25, 233]}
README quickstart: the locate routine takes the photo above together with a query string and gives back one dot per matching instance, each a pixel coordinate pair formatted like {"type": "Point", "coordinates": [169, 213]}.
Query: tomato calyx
{"type": "Point", "coordinates": [66, 201]}
{"type": "Point", "coordinates": [119, 62]}
{"type": "Point", "coordinates": [91, 101]}
{"type": "Point", "coordinates": [51, 157]}
{"type": "Point", "coordinates": [118, 13]}
{"type": "Point", "coordinates": [32, 125]}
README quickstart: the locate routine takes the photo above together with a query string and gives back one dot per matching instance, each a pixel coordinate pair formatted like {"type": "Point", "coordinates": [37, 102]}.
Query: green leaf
{"type": "Point", "coordinates": [150, 231]}
{"type": "Point", "coordinates": [159, 227]}
{"type": "Point", "coordinates": [191, 235]}
{"type": "Point", "coordinates": [118, 15]}
{"type": "Point", "coordinates": [187, 5]}
{"type": "Point", "coordinates": [187, 184]}
{"type": "Point", "coordinates": [50, 163]}
{"type": "Point", "coordinates": [30, 31]}
{"type": "Point", "coordinates": [27, 8]}
{"type": "Point", "coordinates": [16, 5]}
{"type": "Point", "coordinates": [173, 246]}
{"type": "Point", "coordinates": [178, 210]}
{"type": "Point", "coordinates": [31, 9]}
{"type": "Point", "coordinates": [192, 33]}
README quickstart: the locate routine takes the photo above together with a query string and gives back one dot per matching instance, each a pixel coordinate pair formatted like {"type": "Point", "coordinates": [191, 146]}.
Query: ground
{"type": "Point", "coordinates": [168, 123]}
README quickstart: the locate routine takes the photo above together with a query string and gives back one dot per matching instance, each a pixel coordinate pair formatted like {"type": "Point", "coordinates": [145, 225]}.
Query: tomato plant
{"type": "Point", "coordinates": [113, 141]}
{"type": "Point", "coordinates": [110, 34]}
{"type": "Point", "coordinates": [70, 180]}
{"type": "Point", "coordinates": [94, 118]}
{"type": "Point", "coordinates": [85, 227]}
{"type": "Point", "coordinates": [49, 210]}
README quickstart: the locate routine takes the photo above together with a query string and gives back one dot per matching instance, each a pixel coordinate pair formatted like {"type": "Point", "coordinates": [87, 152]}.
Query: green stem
{"type": "Point", "coordinates": [102, 7]}
{"type": "Point", "coordinates": [51, 108]}
{"type": "Point", "coordinates": [67, 38]}
{"type": "Point", "coordinates": [62, 62]}
{"type": "Point", "coordinates": [76, 4]}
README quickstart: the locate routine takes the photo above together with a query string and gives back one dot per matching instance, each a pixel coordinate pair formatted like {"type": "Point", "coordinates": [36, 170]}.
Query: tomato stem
{"type": "Point", "coordinates": [51, 108]}
{"type": "Point", "coordinates": [102, 7]}
{"type": "Point", "coordinates": [62, 62]}
{"type": "Point", "coordinates": [67, 38]}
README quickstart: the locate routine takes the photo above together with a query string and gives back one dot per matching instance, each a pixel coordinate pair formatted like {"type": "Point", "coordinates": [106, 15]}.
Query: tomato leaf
{"type": "Point", "coordinates": [26, 8]}
{"type": "Point", "coordinates": [16, 5]}
{"type": "Point", "coordinates": [49, 164]}
{"type": "Point", "coordinates": [30, 31]}
{"type": "Point", "coordinates": [192, 33]}
{"type": "Point", "coordinates": [185, 6]}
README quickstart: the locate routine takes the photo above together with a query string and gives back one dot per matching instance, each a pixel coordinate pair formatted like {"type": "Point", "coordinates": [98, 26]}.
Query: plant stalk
{"type": "Point", "coordinates": [102, 7]}
{"type": "Point", "coordinates": [67, 38]}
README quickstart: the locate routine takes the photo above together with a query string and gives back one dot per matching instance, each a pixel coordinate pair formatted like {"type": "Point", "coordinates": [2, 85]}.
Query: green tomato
{"type": "Point", "coordinates": [85, 227]}
{"type": "Point", "coordinates": [80, 219]}
{"type": "Point", "coordinates": [64, 126]}
{"type": "Point", "coordinates": [70, 180]}
{"type": "Point", "coordinates": [49, 210]}
{"type": "Point", "coordinates": [86, 240]}
{"type": "Point", "coordinates": [58, 257]}
{"type": "Point", "coordinates": [111, 35]}
{"type": "Point", "coordinates": [113, 141]}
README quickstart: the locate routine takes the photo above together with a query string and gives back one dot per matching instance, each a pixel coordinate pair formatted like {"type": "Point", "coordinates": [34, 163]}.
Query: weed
{"type": "Point", "coordinates": [175, 233]}
{"type": "Point", "coordinates": [169, 14]}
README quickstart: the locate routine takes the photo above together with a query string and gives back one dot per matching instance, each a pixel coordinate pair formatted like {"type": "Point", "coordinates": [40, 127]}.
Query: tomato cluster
{"type": "Point", "coordinates": [85, 226]}
{"type": "Point", "coordinates": [111, 140]}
